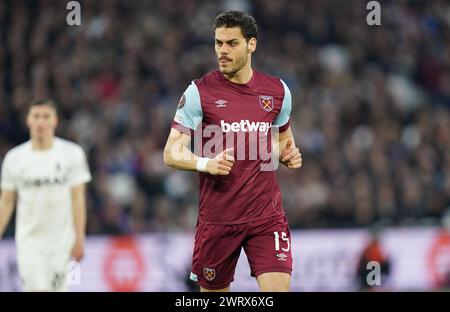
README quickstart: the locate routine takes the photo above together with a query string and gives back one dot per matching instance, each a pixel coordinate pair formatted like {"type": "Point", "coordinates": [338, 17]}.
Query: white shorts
{"type": "Point", "coordinates": [43, 270]}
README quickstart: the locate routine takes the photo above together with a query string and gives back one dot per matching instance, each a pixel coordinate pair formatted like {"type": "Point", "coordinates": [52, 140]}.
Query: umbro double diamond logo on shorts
{"type": "Point", "coordinates": [282, 256]}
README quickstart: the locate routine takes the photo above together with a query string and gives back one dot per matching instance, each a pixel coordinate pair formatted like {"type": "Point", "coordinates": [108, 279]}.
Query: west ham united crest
{"type": "Point", "coordinates": [209, 274]}
{"type": "Point", "coordinates": [266, 102]}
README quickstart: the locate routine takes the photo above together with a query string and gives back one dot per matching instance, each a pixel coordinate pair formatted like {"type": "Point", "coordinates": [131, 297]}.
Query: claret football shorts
{"type": "Point", "coordinates": [267, 244]}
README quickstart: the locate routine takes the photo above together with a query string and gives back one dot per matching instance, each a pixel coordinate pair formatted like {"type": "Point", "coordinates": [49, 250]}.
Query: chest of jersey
{"type": "Point", "coordinates": [240, 110]}
{"type": "Point", "coordinates": [38, 171]}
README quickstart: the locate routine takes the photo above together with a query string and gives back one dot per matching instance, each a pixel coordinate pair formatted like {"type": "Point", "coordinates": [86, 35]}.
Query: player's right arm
{"type": "Point", "coordinates": [7, 204]}
{"type": "Point", "coordinates": [177, 153]}
{"type": "Point", "coordinates": [8, 192]}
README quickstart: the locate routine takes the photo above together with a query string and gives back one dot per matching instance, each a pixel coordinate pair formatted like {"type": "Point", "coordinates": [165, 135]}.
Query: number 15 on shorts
{"type": "Point", "coordinates": [283, 238]}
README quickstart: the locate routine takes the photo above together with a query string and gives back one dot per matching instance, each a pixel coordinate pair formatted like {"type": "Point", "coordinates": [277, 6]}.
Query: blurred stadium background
{"type": "Point", "coordinates": [371, 113]}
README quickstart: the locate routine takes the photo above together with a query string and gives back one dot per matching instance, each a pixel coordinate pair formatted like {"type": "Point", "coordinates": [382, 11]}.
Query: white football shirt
{"type": "Point", "coordinates": [43, 181]}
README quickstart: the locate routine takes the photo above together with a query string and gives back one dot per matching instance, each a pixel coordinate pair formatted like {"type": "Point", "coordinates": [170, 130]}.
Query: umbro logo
{"type": "Point", "coordinates": [221, 103]}
{"type": "Point", "coordinates": [282, 256]}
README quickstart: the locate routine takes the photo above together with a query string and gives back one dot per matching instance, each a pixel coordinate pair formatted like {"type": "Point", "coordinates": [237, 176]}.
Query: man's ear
{"type": "Point", "coordinates": [27, 120]}
{"type": "Point", "coordinates": [251, 47]}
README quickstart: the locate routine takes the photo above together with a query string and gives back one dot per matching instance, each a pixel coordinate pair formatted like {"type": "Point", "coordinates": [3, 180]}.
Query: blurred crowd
{"type": "Point", "coordinates": [371, 104]}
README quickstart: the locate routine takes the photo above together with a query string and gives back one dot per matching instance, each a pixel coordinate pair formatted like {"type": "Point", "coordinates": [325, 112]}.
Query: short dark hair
{"type": "Point", "coordinates": [48, 102]}
{"type": "Point", "coordinates": [240, 19]}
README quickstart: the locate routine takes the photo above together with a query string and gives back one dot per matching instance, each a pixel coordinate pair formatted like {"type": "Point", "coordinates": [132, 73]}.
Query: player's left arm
{"type": "Point", "coordinates": [79, 218]}
{"type": "Point", "coordinates": [290, 155]}
{"type": "Point", "coordinates": [283, 140]}
{"type": "Point", "coordinates": [79, 177]}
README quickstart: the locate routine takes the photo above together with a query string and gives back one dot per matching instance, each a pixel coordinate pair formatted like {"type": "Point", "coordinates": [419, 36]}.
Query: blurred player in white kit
{"type": "Point", "coordinates": [47, 175]}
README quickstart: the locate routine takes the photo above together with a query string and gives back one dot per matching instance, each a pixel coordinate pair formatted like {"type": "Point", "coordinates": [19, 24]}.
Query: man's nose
{"type": "Point", "coordinates": [39, 121]}
{"type": "Point", "coordinates": [224, 49]}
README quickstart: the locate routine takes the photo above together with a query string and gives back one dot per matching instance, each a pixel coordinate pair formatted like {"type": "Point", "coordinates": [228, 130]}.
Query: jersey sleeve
{"type": "Point", "coordinates": [8, 180]}
{"type": "Point", "coordinates": [79, 170]}
{"type": "Point", "coordinates": [189, 111]}
{"type": "Point", "coordinates": [282, 120]}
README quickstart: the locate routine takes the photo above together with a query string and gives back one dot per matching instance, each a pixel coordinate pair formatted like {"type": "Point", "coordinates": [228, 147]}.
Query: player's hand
{"type": "Point", "coordinates": [78, 250]}
{"type": "Point", "coordinates": [222, 163]}
{"type": "Point", "coordinates": [290, 156]}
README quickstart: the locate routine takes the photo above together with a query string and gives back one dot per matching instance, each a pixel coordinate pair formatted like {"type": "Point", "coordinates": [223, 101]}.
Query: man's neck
{"type": "Point", "coordinates": [243, 76]}
{"type": "Point", "coordinates": [42, 144]}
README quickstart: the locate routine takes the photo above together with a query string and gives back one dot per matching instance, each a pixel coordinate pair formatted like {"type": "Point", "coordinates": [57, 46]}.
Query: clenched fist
{"type": "Point", "coordinates": [290, 156]}
{"type": "Point", "coordinates": [221, 164]}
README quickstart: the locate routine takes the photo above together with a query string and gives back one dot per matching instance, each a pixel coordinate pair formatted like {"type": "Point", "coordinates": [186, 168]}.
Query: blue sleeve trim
{"type": "Point", "coordinates": [189, 111]}
{"type": "Point", "coordinates": [285, 112]}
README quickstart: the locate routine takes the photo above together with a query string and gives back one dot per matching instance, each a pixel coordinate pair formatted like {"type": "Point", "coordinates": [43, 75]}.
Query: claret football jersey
{"type": "Point", "coordinates": [221, 114]}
